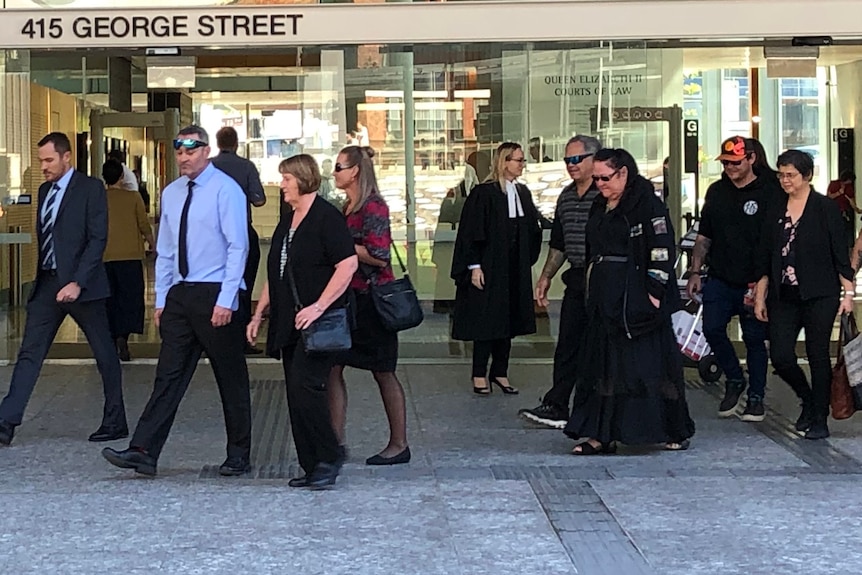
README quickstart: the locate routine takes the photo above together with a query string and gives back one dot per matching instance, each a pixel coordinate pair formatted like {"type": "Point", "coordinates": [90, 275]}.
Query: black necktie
{"type": "Point", "coordinates": [184, 228]}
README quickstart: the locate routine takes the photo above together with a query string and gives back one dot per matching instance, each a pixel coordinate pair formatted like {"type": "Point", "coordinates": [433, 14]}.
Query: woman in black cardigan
{"type": "Point", "coordinates": [804, 257]}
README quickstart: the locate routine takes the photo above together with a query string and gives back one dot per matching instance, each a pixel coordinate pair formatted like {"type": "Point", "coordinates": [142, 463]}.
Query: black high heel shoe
{"type": "Point", "coordinates": [481, 390]}
{"type": "Point", "coordinates": [507, 389]}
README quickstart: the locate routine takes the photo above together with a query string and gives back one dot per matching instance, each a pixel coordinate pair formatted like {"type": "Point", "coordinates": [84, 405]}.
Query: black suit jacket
{"type": "Point", "coordinates": [80, 235]}
{"type": "Point", "coordinates": [820, 247]}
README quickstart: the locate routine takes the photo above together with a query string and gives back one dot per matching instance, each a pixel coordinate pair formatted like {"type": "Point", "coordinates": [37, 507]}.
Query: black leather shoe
{"type": "Point", "coordinates": [108, 434]}
{"type": "Point", "coordinates": [7, 432]}
{"type": "Point", "coordinates": [233, 466]}
{"type": "Point", "coordinates": [298, 481]}
{"type": "Point", "coordinates": [131, 458]}
{"type": "Point", "coordinates": [252, 350]}
{"type": "Point", "coordinates": [323, 476]}
{"type": "Point", "coordinates": [123, 349]}
{"type": "Point", "coordinates": [403, 457]}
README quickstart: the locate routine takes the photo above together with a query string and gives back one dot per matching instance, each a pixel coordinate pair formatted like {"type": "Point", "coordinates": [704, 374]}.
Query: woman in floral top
{"type": "Point", "coordinates": [375, 349]}
{"type": "Point", "coordinates": [804, 265]}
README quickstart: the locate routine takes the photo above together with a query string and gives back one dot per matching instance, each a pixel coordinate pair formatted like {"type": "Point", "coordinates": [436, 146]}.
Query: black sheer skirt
{"type": "Point", "coordinates": [631, 391]}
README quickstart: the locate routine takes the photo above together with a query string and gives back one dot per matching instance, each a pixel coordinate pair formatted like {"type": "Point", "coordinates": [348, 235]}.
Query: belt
{"type": "Point", "coordinates": [196, 284]}
{"type": "Point", "coordinates": [610, 259]}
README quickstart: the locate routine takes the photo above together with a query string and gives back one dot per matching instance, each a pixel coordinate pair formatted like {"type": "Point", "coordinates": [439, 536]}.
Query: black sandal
{"type": "Point", "coordinates": [486, 390]}
{"type": "Point", "coordinates": [588, 448]}
{"type": "Point", "coordinates": [507, 389]}
{"type": "Point", "coordinates": [678, 446]}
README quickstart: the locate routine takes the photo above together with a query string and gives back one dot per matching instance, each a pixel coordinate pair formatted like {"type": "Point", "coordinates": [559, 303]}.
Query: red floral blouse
{"type": "Point", "coordinates": [370, 228]}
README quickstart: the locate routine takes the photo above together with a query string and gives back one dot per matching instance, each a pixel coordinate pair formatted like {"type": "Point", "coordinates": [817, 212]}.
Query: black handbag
{"type": "Point", "coordinates": [396, 302]}
{"type": "Point", "coordinates": [330, 332]}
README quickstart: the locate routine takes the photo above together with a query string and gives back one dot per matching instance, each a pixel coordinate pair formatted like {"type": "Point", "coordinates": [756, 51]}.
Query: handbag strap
{"type": "Point", "coordinates": [292, 281]}
{"type": "Point", "coordinates": [398, 257]}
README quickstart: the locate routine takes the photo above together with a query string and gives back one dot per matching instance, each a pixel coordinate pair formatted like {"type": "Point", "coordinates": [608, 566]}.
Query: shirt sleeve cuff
{"type": "Point", "coordinates": [474, 267]}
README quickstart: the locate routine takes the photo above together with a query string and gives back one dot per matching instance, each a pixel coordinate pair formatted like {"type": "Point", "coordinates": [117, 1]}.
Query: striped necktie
{"type": "Point", "coordinates": [47, 248]}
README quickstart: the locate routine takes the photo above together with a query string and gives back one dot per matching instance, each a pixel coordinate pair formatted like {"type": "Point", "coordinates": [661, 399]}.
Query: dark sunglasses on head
{"type": "Point", "coordinates": [188, 144]}
{"type": "Point", "coordinates": [575, 160]}
{"type": "Point", "coordinates": [339, 167]}
{"type": "Point", "coordinates": [605, 178]}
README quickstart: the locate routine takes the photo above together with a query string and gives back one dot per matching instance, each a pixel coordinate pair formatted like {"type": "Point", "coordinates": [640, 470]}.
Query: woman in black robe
{"type": "Point", "coordinates": [498, 241]}
{"type": "Point", "coordinates": [631, 386]}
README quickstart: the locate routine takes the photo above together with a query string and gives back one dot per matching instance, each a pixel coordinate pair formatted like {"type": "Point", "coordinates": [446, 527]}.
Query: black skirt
{"type": "Point", "coordinates": [126, 304]}
{"type": "Point", "coordinates": [374, 347]}
{"type": "Point", "coordinates": [631, 391]}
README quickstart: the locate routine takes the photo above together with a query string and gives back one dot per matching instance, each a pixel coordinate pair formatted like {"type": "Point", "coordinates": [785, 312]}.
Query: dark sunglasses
{"type": "Point", "coordinates": [733, 162]}
{"type": "Point", "coordinates": [575, 160]}
{"type": "Point", "coordinates": [339, 167]}
{"type": "Point", "coordinates": [605, 178]}
{"type": "Point", "coordinates": [188, 144]}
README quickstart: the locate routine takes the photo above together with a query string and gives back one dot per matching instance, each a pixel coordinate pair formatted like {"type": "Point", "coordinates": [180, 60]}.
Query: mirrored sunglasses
{"type": "Point", "coordinates": [575, 160]}
{"type": "Point", "coordinates": [188, 143]}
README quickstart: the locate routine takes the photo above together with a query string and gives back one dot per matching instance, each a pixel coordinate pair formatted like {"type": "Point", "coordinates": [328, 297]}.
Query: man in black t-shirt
{"type": "Point", "coordinates": [730, 227]}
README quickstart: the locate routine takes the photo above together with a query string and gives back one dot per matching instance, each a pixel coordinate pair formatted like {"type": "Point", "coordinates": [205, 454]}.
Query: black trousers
{"type": "Point", "coordinates": [126, 304]}
{"type": "Point", "coordinates": [44, 317]}
{"type": "Point", "coordinates": [187, 331]}
{"type": "Point", "coordinates": [573, 324]}
{"type": "Point", "coordinates": [498, 351]}
{"type": "Point", "coordinates": [249, 275]}
{"type": "Point", "coordinates": [787, 316]}
{"type": "Point", "coordinates": [306, 375]}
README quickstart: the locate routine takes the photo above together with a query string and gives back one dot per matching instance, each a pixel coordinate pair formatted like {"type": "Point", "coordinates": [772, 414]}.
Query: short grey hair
{"type": "Point", "coordinates": [195, 130]}
{"type": "Point", "coordinates": [591, 144]}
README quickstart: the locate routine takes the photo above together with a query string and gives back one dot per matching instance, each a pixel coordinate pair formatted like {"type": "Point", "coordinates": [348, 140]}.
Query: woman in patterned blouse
{"type": "Point", "coordinates": [804, 264]}
{"type": "Point", "coordinates": [375, 349]}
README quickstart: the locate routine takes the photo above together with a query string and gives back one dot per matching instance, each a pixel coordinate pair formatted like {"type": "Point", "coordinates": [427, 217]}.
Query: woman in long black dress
{"type": "Point", "coordinates": [498, 241]}
{"type": "Point", "coordinates": [632, 388]}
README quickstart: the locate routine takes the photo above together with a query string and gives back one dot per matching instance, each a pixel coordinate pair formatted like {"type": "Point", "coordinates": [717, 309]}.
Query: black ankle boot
{"type": "Point", "coordinates": [817, 430]}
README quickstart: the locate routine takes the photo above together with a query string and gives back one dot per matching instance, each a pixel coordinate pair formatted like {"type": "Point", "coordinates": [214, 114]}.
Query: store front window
{"type": "Point", "coordinates": [435, 113]}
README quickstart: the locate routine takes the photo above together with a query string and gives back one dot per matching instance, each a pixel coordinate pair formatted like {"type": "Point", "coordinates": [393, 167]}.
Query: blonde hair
{"type": "Point", "coordinates": [304, 168]}
{"type": "Point", "coordinates": [501, 156]}
{"type": "Point", "coordinates": [366, 181]}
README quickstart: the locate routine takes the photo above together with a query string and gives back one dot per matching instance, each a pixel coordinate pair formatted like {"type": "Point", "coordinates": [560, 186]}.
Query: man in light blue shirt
{"type": "Point", "coordinates": [202, 249]}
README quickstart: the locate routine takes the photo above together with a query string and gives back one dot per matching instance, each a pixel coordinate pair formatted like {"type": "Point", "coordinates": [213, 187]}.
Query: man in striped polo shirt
{"type": "Point", "coordinates": [568, 243]}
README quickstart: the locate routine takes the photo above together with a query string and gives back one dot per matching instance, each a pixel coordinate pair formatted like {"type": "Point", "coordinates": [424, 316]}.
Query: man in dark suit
{"type": "Point", "coordinates": [72, 229]}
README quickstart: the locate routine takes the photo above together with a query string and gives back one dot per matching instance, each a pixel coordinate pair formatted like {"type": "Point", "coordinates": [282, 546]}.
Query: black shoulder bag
{"type": "Point", "coordinates": [330, 332]}
{"type": "Point", "coordinates": [396, 302]}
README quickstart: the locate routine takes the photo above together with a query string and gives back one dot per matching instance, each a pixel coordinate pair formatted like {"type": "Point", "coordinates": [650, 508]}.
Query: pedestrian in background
{"type": "Point", "coordinates": [128, 229]}
{"type": "Point", "coordinates": [245, 173]}
{"type": "Point", "coordinates": [498, 241]}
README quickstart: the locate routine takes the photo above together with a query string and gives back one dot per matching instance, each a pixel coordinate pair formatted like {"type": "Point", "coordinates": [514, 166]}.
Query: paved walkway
{"type": "Point", "coordinates": [486, 492]}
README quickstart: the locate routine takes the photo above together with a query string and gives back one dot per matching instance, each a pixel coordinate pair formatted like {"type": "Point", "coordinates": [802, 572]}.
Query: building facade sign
{"type": "Point", "coordinates": [61, 24]}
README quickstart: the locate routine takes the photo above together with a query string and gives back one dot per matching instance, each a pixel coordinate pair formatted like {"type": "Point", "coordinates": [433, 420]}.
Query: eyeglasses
{"type": "Point", "coordinates": [733, 162]}
{"type": "Point", "coordinates": [188, 143]}
{"type": "Point", "coordinates": [787, 175]}
{"type": "Point", "coordinates": [605, 178]}
{"type": "Point", "coordinates": [339, 167]}
{"type": "Point", "coordinates": [521, 160]}
{"type": "Point", "coordinates": [575, 160]}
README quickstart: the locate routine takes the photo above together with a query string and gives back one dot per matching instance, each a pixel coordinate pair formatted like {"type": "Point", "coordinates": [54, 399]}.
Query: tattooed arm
{"type": "Point", "coordinates": [555, 261]}
{"type": "Point", "coordinates": [698, 256]}
{"type": "Point", "coordinates": [856, 255]}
